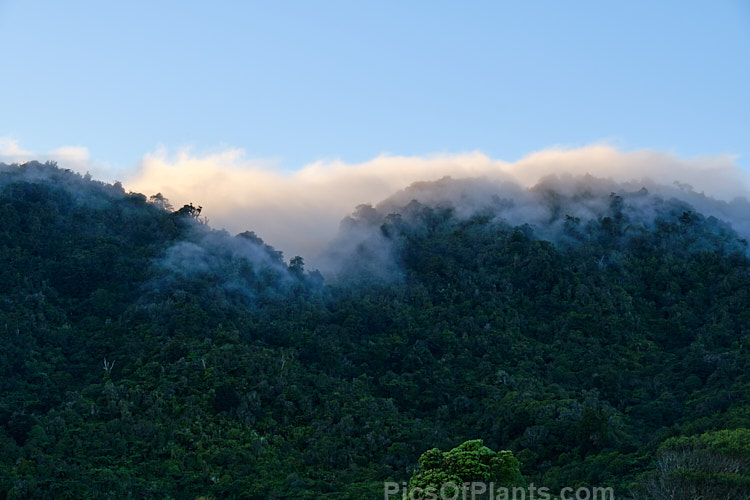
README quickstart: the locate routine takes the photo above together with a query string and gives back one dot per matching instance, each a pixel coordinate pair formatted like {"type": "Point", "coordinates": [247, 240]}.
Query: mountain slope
{"type": "Point", "coordinates": [148, 355]}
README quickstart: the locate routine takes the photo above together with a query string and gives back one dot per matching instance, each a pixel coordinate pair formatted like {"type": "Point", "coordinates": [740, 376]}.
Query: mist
{"type": "Point", "coordinates": [301, 212]}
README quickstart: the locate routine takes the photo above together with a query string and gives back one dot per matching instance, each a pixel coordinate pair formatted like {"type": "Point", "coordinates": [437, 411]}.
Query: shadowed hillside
{"type": "Point", "coordinates": [594, 330]}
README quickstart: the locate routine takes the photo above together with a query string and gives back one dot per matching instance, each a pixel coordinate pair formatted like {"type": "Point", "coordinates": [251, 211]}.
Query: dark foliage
{"type": "Point", "coordinates": [146, 355]}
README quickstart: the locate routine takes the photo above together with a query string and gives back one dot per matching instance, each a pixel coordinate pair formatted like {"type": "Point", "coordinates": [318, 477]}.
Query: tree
{"type": "Point", "coordinates": [297, 265]}
{"type": "Point", "coordinates": [189, 211]}
{"type": "Point", "coordinates": [160, 201]}
{"type": "Point", "coordinates": [711, 465]}
{"type": "Point", "coordinates": [470, 462]}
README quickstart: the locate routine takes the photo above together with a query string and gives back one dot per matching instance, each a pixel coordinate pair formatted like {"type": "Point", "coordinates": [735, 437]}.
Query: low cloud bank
{"type": "Point", "coordinates": [73, 157]}
{"type": "Point", "coordinates": [300, 212]}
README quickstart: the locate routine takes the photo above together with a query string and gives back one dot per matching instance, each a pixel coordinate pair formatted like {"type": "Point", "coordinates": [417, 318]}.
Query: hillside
{"type": "Point", "coordinates": [587, 327]}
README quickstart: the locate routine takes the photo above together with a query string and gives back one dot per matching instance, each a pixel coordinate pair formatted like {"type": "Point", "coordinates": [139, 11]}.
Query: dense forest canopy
{"type": "Point", "coordinates": [596, 332]}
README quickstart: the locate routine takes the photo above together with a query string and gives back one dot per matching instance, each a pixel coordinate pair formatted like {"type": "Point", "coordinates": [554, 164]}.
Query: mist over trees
{"type": "Point", "coordinates": [565, 210]}
{"type": "Point", "coordinates": [592, 333]}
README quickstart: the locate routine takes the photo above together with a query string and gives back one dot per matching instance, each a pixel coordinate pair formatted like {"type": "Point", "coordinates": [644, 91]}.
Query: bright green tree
{"type": "Point", "coordinates": [470, 462]}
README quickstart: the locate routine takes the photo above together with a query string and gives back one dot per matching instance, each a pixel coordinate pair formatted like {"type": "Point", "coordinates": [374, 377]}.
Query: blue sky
{"type": "Point", "coordinates": [296, 82]}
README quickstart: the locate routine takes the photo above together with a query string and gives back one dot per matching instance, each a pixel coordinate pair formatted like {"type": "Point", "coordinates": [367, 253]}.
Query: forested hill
{"type": "Point", "coordinates": [147, 355]}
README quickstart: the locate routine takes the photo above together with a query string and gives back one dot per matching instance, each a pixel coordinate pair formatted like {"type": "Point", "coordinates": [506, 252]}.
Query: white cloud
{"type": "Point", "coordinates": [299, 212]}
{"type": "Point", "coordinates": [73, 157]}
{"type": "Point", "coordinates": [11, 152]}
{"type": "Point", "coordinates": [718, 176]}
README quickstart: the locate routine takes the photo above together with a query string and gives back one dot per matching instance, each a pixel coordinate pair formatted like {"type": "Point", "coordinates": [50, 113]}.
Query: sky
{"type": "Point", "coordinates": [278, 98]}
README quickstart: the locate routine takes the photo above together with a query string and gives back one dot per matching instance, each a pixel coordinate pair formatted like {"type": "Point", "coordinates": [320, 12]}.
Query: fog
{"type": "Point", "coordinates": [300, 212]}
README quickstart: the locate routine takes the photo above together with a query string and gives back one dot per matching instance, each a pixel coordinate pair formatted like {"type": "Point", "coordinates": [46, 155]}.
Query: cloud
{"type": "Point", "coordinates": [717, 176]}
{"type": "Point", "coordinates": [299, 212]}
{"type": "Point", "coordinates": [11, 152]}
{"type": "Point", "coordinates": [73, 157]}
